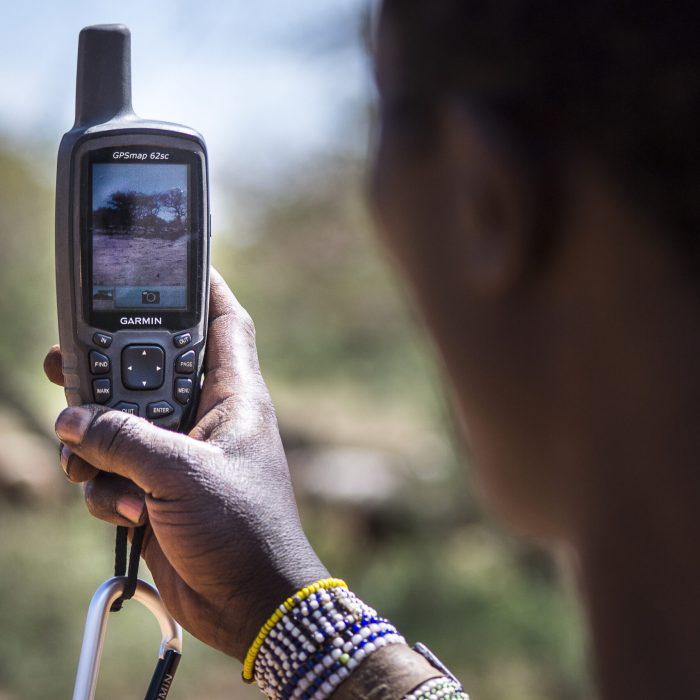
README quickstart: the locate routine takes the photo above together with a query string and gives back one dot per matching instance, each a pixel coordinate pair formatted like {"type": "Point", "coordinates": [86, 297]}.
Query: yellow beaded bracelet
{"type": "Point", "coordinates": [303, 594]}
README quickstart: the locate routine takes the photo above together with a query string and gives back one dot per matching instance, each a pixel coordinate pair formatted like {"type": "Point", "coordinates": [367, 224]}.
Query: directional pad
{"type": "Point", "coordinates": [142, 367]}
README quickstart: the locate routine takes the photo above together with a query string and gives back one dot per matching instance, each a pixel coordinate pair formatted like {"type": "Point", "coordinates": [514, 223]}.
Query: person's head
{"type": "Point", "coordinates": [536, 178]}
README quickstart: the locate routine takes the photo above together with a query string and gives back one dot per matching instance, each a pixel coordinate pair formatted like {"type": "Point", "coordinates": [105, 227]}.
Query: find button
{"type": "Point", "coordinates": [99, 363]}
{"type": "Point", "coordinates": [159, 409]}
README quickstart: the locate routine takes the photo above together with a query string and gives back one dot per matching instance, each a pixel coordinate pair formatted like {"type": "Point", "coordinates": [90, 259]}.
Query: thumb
{"type": "Point", "coordinates": [112, 441]}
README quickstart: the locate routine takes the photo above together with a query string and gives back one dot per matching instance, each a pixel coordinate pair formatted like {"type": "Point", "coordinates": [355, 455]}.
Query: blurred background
{"type": "Point", "coordinates": [283, 94]}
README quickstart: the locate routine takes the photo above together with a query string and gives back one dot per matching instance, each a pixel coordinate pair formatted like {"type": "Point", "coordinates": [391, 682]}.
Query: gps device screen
{"type": "Point", "coordinates": [141, 235]}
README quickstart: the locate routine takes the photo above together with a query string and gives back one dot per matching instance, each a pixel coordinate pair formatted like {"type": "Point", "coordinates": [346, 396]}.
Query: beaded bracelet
{"type": "Point", "coordinates": [443, 688]}
{"type": "Point", "coordinates": [314, 640]}
{"type": "Point", "coordinates": [288, 604]}
{"type": "Point", "coordinates": [315, 644]}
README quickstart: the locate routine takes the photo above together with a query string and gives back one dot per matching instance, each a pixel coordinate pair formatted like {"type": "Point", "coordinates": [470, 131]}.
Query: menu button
{"type": "Point", "coordinates": [183, 390]}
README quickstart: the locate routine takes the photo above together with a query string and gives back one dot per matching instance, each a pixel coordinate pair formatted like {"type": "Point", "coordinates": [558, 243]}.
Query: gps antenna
{"type": "Point", "coordinates": [103, 88]}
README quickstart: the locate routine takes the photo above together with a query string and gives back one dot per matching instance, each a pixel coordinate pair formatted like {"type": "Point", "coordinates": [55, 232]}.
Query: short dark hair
{"type": "Point", "coordinates": [619, 78]}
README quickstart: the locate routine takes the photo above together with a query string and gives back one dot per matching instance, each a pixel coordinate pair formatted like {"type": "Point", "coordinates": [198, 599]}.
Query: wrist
{"type": "Point", "coordinates": [292, 573]}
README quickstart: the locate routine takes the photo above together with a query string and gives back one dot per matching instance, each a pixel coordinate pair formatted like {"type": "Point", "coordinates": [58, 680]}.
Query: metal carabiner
{"type": "Point", "coordinates": [94, 635]}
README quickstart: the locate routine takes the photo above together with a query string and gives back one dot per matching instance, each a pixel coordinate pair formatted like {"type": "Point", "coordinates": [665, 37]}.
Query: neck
{"type": "Point", "coordinates": [641, 587]}
{"type": "Point", "coordinates": [629, 415]}
{"type": "Point", "coordinates": [639, 528]}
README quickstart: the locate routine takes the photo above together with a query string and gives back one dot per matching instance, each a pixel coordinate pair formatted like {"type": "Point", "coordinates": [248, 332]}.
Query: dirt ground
{"type": "Point", "coordinates": [142, 261]}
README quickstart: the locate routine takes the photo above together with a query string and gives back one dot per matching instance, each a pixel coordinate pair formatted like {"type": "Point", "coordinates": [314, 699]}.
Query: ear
{"type": "Point", "coordinates": [487, 199]}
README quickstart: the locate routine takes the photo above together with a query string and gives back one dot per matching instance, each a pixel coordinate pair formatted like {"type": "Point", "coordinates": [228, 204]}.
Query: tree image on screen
{"type": "Point", "coordinates": [160, 215]}
{"type": "Point", "coordinates": [140, 227]}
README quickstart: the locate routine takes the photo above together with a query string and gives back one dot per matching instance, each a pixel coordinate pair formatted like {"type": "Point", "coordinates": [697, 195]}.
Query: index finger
{"type": "Point", "coordinates": [52, 365]}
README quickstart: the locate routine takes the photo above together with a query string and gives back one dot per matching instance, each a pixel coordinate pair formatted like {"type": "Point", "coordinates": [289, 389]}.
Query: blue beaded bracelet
{"type": "Point", "coordinates": [315, 643]}
{"type": "Point", "coordinates": [314, 646]}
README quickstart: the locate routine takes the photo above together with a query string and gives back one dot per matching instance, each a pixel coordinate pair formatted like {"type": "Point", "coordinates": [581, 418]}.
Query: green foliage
{"type": "Point", "coordinates": [325, 307]}
{"type": "Point", "coordinates": [27, 299]}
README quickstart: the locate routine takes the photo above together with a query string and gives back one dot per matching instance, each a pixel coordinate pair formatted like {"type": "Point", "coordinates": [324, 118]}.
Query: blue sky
{"type": "Point", "coordinates": [108, 178]}
{"type": "Point", "coordinates": [268, 82]}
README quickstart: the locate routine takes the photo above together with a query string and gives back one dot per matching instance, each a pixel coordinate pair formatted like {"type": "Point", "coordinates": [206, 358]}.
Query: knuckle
{"type": "Point", "coordinates": [266, 407]}
{"type": "Point", "coordinates": [246, 323]}
{"type": "Point", "coordinates": [115, 430]}
{"type": "Point", "coordinates": [257, 419]}
{"type": "Point", "coordinates": [238, 322]}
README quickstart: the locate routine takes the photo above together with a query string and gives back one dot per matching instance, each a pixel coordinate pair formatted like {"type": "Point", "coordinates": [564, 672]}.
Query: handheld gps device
{"type": "Point", "coordinates": [132, 246]}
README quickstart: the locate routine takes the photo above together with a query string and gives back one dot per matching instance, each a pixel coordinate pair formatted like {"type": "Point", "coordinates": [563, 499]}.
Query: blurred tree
{"type": "Point", "coordinates": [27, 296]}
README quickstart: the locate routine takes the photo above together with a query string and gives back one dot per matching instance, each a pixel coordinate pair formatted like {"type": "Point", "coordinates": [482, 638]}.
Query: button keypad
{"type": "Point", "coordinates": [142, 367]}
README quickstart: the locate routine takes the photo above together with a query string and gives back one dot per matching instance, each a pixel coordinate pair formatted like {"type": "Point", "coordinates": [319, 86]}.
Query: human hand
{"type": "Point", "coordinates": [223, 539]}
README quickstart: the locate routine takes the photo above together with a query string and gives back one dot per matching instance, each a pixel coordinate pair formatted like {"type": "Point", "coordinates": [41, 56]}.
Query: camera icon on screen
{"type": "Point", "coordinates": [149, 297]}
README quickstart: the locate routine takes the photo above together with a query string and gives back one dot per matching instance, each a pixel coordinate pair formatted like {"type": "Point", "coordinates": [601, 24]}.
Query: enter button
{"type": "Point", "coordinates": [159, 409]}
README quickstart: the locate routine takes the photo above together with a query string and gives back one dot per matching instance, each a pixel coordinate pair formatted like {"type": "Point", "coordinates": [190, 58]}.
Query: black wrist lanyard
{"type": "Point", "coordinates": [120, 562]}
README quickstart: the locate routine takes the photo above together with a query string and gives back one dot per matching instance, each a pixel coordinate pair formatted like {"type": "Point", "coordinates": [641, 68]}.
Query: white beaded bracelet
{"type": "Point", "coordinates": [316, 644]}
{"type": "Point", "coordinates": [316, 640]}
{"type": "Point", "coordinates": [443, 688]}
